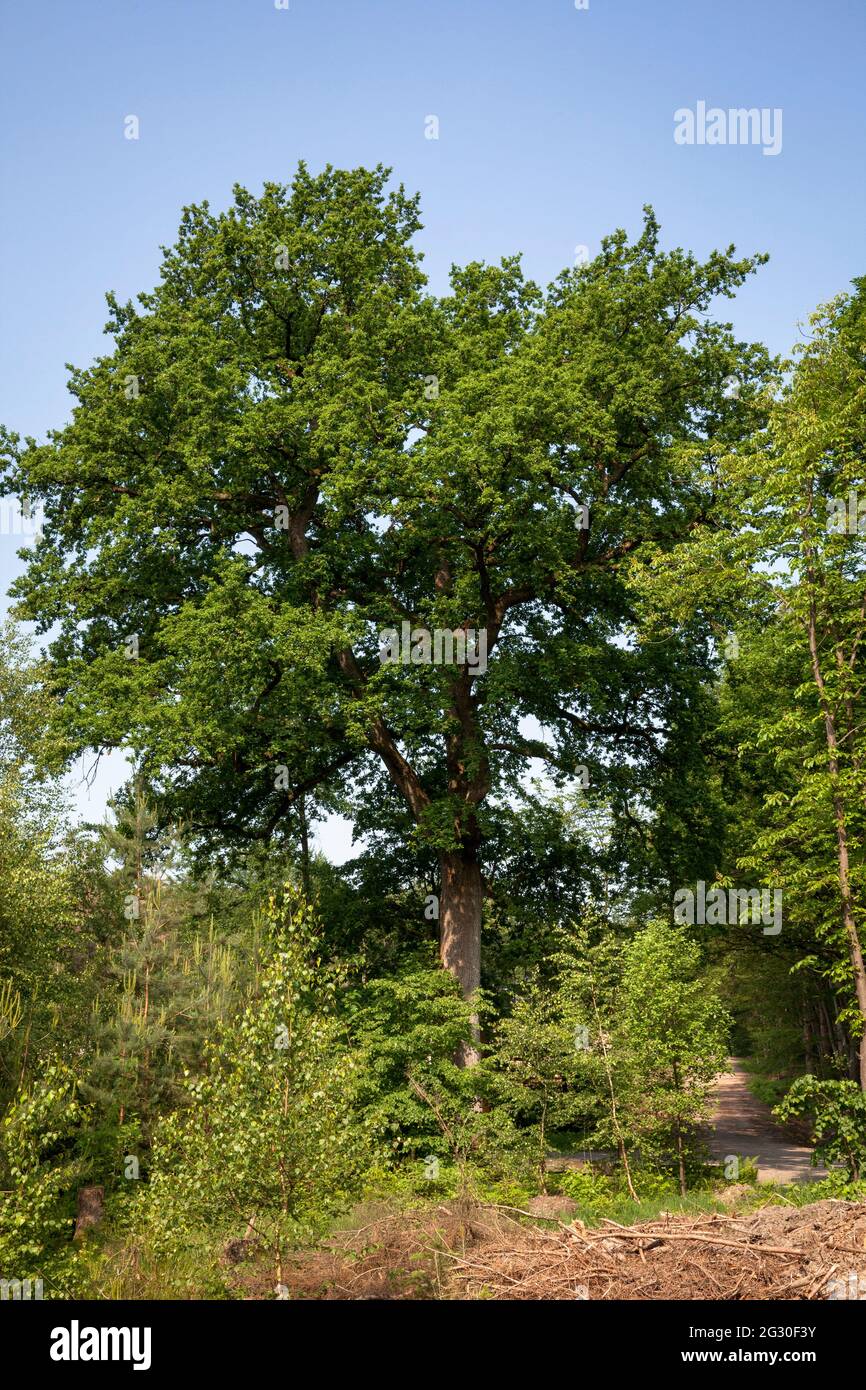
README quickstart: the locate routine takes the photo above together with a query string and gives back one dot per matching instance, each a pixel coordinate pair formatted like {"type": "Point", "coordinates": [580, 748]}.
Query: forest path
{"type": "Point", "coordinates": [743, 1125]}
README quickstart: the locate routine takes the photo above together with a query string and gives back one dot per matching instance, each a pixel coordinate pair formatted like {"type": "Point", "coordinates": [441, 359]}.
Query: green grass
{"type": "Point", "coordinates": [628, 1213]}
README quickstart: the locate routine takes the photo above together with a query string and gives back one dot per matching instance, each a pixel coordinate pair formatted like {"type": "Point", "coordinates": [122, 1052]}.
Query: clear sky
{"type": "Point", "coordinates": [556, 124]}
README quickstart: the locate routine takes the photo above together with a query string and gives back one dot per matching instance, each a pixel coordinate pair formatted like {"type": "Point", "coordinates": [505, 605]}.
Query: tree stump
{"type": "Point", "coordinates": [90, 1202]}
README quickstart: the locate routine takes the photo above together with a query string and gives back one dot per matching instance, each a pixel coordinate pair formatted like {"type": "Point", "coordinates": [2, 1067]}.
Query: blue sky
{"type": "Point", "coordinates": [555, 127]}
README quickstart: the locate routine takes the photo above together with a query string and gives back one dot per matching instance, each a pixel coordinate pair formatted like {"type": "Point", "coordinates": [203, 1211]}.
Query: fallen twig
{"type": "Point", "coordinates": [710, 1240]}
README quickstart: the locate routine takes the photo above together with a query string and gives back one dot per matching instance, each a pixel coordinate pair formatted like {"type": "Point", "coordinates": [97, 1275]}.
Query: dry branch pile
{"type": "Point", "coordinates": [458, 1252]}
{"type": "Point", "coordinates": [778, 1252]}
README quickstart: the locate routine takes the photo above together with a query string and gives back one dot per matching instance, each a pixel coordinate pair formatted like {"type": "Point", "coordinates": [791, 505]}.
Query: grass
{"type": "Point", "coordinates": [622, 1209]}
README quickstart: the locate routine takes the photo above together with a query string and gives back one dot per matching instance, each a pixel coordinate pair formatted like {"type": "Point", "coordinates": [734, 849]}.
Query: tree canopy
{"type": "Point", "coordinates": [292, 446]}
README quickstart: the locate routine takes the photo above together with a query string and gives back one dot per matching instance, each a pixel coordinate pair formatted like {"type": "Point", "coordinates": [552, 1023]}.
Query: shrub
{"type": "Point", "coordinates": [838, 1113]}
{"type": "Point", "coordinates": [39, 1177]}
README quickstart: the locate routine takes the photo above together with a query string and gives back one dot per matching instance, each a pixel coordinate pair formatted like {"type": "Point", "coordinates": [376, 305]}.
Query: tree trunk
{"type": "Point", "coordinates": [681, 1162]}
{"type": "Point", "coordinates": [681, 1158]}
{"type": "Point", "coordinates": [826, 1040]}
{"type": "Point", "coordinates": [90, 1203]}
{"type": "Point", "coordinates": [460, 932]}
{"type": "Point", "coordinates": [808, 1054]}
{"type": "Point", "coordinates": [305, 846]}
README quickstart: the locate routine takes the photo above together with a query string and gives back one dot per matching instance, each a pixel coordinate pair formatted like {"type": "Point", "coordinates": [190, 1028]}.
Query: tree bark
{"type": "Point", "coordinates": [460, 903]}
{"type": "Point", "coordinates": [826, 1054]}
{"type": "Point", "coordinates": [90, 1203]}
{"type": "Point", "coordinates": [681, 1158]}
{"type": "Point", "coordinates": [808, 1054]}
{"type": "Point", "coordinates": [305, 846]}
{"type": "Point", "coordinates": [681, 1162]}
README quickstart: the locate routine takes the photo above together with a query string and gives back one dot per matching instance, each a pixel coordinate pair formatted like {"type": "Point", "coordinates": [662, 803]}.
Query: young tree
{"type": "Point", "coordinates": [837, 1111]}
{"type": "Point", "coordinates": [39, 1173]}
{"type": "Point", "coordinates": [40, 917]}
{"type": "Point", "coordinates": [546, 1075]}
{"type": "Point", "coordinates": [671, 1042]}
{"type": "Point", "coordinates": [269, 1137]}
{"type": "Point", "coordinates": [291, 449]}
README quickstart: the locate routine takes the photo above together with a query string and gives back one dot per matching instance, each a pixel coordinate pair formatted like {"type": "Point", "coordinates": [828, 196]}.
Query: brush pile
{"type": "Point", "coordinates": [458, 1251]}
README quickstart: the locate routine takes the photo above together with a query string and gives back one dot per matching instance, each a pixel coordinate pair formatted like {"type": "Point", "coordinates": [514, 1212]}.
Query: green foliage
{"type": "Point", "coordinates": [769, 1089]}
{"type": "Point", "coordinates": [256, 480]}
{"type": "Point", "coordinates": [605, 1196]}
{"type": "Point", "coordinates": [268, 1139]}
{"type": "Point", "coordinates": [169, 986]}
{"type": "Point", "coordinates": [796, 690]}
{"type": "Point", "coordinates": [543, 1073]}
{"type": "Point", "coordinates": [594, 1192]}
{"type": "Point", "coordinates": [837, 1110]}
{"type": "Point", "coordinates": [748, 1168]}
{"type": "Point", "coordinates": [837, 1186]}
{"type": "Point", "coordinates": [410, 1023]}
{"type": "Point", "coordinates": [168, 973]}
{"type": "Point", "coordinates": [671, 1043]}
{"type": "Point", "coordinates": [38, 918]}
{"type": "Point", "coordinates": [38, 1174]}
{"type": "Point", "coordinates": [290, 446]}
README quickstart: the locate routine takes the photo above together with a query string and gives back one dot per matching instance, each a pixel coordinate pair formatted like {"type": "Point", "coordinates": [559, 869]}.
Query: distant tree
{"type": "Point", "coordinates": [803, 488]}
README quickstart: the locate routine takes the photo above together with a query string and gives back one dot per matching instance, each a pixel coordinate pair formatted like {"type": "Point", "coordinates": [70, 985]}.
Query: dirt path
{"type": "Point", "coordinates": [744, 1125]}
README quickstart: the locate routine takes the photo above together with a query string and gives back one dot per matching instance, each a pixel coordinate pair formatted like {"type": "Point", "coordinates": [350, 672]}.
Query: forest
{"type": "Point", "coordinates": [558, 595]}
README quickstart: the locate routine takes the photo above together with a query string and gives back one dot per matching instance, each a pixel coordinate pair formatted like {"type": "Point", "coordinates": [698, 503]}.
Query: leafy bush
{"type": "Point", "coordinates": [39, 1175]}
{"type": "Point", "coordinates": [838, 1113]}
{"type": "Point", "coordinates": [593, 1192]}
{"type": "Point", "coordinates": [836, 1186]}
{"type": "Point", "coordinates": [542, 1075]}
{"type": "Point", "coordinates": [410, 1023]}
{"type": "Point", "coordinates": [744, 1169]}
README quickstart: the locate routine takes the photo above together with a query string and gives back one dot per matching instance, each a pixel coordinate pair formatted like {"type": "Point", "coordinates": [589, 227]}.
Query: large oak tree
{"type": "Point", "coordinates": [292, 446]}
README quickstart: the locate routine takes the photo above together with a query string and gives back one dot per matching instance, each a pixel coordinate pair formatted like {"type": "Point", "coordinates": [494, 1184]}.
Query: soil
{"type": "Point", "coordinates": [744, 1125]}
